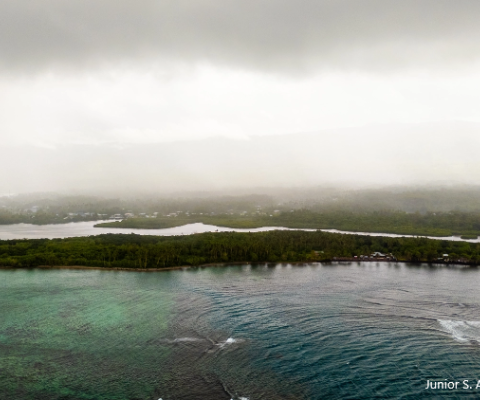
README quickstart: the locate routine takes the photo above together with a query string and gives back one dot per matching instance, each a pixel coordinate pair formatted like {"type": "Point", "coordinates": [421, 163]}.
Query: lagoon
{"type": "Point", "coordinates": [77, 229]}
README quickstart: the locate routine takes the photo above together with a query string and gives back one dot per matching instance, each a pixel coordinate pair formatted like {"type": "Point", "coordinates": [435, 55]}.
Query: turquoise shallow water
{"type": "Point", "coordinates": [337, 331]}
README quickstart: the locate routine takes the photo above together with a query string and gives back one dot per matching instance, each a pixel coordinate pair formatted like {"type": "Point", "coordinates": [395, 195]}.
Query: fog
{"type": "Point", "coordinates": [375, 155]}
{"type": "Point", "coordinates": [162, 96]}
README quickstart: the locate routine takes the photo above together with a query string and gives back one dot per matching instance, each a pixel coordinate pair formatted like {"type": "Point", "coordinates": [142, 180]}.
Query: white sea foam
{"type": "Point", "coordinates": [228, 341]}
{"type": "Point", "coordinates": [462, 331]}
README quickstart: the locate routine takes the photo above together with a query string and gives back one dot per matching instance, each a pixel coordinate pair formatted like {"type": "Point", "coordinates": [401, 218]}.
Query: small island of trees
{"type": "Point", "coordinates": [156, 252]}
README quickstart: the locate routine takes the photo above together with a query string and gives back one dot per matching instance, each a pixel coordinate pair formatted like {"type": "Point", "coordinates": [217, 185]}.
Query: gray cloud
{"type": "Point", "coordinates": [279, 35]}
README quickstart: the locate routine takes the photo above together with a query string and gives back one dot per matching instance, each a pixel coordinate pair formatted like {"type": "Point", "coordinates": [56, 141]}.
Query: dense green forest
{"type": "Point", "coordinates": [136, 251]}
{"type": "Point", "coordinates": [429, 224]}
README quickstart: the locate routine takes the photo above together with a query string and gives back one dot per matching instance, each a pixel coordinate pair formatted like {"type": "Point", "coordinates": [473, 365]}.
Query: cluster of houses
{"type": "Point", "coordinates": [132, 215]}
{"type": "Point", "coordinates": [186, 213]}
{"type": "Point", "coordinates": [83, 215]}
{"type": "Point", "coordinates": [378, 256]}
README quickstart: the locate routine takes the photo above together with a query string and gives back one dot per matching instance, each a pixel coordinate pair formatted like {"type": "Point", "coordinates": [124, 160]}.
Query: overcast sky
{"type": "Point", "coordinates": [113, 75]}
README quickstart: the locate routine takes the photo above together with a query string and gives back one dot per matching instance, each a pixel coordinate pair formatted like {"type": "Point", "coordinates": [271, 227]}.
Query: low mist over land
{"type": "Point", "coordinates": [434, 211]}
{"type": "Point", "coordinates": [406, 199]}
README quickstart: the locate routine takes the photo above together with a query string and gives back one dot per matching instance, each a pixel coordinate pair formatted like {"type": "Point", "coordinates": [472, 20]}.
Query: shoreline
{"type": "Point", "coordinates": [339, 260]}
{"type": "Point", "coordinates": [180, 267]}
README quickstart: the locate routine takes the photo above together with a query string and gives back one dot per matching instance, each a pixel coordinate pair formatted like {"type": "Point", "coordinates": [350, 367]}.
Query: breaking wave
{"type": "Point", "coordinates": [228, 341]}
{"type": "Point", "coordinates": [462, 331]}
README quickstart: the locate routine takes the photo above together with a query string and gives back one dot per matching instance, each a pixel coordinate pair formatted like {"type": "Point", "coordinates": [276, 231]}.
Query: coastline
{"type": "Point", "coordinates": [339, 260]}
{"type": "Point", "coordinates": [180, 267]}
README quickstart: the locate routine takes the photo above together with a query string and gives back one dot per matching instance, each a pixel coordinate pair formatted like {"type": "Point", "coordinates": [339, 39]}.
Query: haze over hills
{"type": "Point", "coordinates": [113, 98]}
{"type": "Point", "coordinates": [382, 155]}
{"type": "Point", "coordinates": [408, 199]}
{"type": "Point", "coordinates": [213, 95]}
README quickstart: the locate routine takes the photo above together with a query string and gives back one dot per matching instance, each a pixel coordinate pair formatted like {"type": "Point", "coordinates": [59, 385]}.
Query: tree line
{"type": "Point", "coordinates": [144, 252]}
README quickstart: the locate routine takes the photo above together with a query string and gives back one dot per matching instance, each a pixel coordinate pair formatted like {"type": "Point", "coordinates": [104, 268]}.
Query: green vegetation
{"type": "Point", "coordinates": [135, 251]}
{"type": "Point", "coordinates": [429, 224]}
{"type": "Point", "coordinates": [403, 210]}
{"type": "Point", "coordinates": [468, 237]}
{"type": "Point", "coordinates": [44, 218]}
{"type": "Point", "coordinates": [54, 209]}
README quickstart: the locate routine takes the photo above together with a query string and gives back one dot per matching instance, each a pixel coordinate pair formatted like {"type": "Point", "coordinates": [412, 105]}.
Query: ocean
{"type": "Point", "coordinates": [279, 331]}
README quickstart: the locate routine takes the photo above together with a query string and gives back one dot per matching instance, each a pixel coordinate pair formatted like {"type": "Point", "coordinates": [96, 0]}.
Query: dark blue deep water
{"type": "Point", "coordinates": [336, 331]}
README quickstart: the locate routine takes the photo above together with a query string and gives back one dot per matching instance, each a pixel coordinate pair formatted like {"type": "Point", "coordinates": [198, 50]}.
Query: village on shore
{"type": "Point", "coordinates": [378, 256]}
